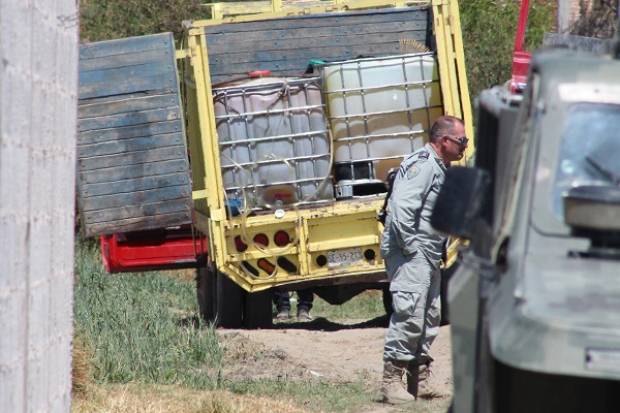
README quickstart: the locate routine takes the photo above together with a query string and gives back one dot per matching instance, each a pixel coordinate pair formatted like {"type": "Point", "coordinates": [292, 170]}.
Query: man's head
{"type": "Point", "coordinates": [448, 138]}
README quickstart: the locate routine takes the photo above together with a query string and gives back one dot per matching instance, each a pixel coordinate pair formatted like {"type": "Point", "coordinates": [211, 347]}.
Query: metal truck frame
{"type": "Point", "coordinates": [345, 224]}
{"type": "Point", "coordinates": [312, 232]}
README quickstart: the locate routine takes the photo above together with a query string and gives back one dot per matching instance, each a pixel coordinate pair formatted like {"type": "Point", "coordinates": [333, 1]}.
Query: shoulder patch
{"type": "Point", "coordinates": [413, 172]}
{"type": "Point", "coordinates": [423, 155]}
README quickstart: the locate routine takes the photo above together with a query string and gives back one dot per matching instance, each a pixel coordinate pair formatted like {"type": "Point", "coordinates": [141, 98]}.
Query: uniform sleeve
{"type": "Point", "coordinates": [407, 206]}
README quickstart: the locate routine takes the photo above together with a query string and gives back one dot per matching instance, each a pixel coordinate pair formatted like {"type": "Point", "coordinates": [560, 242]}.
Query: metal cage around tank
{"type": "Point", "coordinates": [274, 143]}
{"type": "Point", "coordinates": [380, 110]}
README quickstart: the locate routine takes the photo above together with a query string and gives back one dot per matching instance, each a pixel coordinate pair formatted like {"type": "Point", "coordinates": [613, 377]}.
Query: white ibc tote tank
{"type": "Point", "coordinates": [380, 110]}
{"type": "Point", "coordinates": [274, 144]}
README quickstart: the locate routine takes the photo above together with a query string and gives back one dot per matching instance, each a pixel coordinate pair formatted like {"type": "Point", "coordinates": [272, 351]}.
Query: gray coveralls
{"type": "Point", "coordinates": [412, 251]}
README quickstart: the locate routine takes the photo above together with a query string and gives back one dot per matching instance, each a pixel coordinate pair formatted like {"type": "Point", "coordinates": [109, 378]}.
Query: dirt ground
{"type": "Point", "coordinates": [348, 351]}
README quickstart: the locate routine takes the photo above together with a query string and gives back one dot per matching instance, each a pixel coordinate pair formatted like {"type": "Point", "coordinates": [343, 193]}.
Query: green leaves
{"type": "Point", "coordinates": [113, 19]}
{"type": "Point", "coordinates": [489, 28]}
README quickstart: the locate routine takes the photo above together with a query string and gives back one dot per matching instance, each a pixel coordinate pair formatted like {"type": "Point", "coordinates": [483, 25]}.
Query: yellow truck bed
{"type": "Point", "coordinates": [282, 39]}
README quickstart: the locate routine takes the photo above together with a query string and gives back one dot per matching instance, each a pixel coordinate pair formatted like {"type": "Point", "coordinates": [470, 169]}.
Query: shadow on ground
{"type": "Point", "coordinates": [323, 324]}
{"type": "Point", "coordinates": [318, 324]}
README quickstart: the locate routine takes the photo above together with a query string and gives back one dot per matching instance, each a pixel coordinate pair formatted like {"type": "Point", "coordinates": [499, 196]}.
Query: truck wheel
{"type": "Point", "coordinates": [387, 300]}
{"type": "Point", "coordinates": [258, 310]}
{"type": "Point", "coordinates": [230, 299]}
{"type": "Point", "coordinates": [205, 292]}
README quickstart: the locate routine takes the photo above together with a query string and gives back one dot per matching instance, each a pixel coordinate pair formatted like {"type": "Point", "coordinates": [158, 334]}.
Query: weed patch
{"type": "Point", "coordinates": [314, 395]}
{"type": "Point", "coordinates": [141, 327]}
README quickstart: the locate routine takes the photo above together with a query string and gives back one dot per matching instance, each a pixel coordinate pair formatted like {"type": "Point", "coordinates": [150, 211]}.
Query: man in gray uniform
{"type": "Point", "coordinates": [412, 251]}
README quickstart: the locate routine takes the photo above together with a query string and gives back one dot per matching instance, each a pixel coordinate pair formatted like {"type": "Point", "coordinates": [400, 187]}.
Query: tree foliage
{"type": "Point", "coordinates": [598, 20]}
{"type": "Point", "coordinates": [112, 19]}
{"type": "Point", "coordinates": [489, 28]}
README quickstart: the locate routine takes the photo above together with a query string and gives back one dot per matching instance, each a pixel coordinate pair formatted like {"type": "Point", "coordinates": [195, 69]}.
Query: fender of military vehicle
{"type": "Point", "coordinates": [534, 320]}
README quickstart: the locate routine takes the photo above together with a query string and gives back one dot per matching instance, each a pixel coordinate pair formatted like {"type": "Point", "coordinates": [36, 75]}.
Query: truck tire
{"type": "Point", "coordinates": [230, 301]}
{"type": "Point", "coordinates": [206, 293]}
{"type": "Point", "coordinates": [258, 310]}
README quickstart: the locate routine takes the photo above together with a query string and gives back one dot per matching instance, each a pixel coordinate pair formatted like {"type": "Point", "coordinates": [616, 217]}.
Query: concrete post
{"type": "Point", "coordinates": [564, 16]}
{"type": "Point", "coordinates": [38, 93]}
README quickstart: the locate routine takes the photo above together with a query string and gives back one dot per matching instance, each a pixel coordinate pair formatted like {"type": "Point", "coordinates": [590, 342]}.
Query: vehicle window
{"type": "Point", "coordinates": [589, 152]}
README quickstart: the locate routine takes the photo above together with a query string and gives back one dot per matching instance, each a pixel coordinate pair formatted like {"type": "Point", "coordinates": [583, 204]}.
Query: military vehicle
{"type": "Point", "coordinates": [535, 301]}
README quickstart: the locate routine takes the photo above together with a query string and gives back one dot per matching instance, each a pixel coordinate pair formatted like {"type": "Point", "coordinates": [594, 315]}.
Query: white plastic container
{"type": "Point", "coordinates": [274, 145]}
{"type": "Point", "coordinates": [380, 110]}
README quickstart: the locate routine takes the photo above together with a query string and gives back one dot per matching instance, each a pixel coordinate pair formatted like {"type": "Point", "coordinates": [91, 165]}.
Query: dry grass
{"type": "Point", "coordinates": [188, 274]}
{"type": "Point", "coordinates": [81, 369]}
{"type": "Point", "coordinates": [136, 398]}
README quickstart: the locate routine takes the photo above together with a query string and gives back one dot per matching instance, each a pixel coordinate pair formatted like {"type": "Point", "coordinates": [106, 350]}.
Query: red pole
{"type": "Point", "coordinates": [520, 37]}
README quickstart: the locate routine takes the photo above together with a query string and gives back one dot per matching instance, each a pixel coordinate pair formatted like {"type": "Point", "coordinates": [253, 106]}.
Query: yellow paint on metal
{"type": "Point", "coordinates": [200, 194]}
{"type": "Point", "coordinates": [466, 108]}
{"type": "Point", "coordinates": [262, 10]}
{"type": "Point", "coordinates": [343, 224]}
{"type": "Point", "coordinates": [181, 54]}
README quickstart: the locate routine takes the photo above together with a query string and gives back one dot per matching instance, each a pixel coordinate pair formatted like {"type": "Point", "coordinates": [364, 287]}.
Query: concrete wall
{"type": "Point", "coordinates": [38, 85]}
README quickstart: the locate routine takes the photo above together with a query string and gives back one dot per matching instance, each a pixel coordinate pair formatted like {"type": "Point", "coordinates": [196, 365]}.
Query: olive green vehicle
{"type": "Point", "coordinates": [535, 303]}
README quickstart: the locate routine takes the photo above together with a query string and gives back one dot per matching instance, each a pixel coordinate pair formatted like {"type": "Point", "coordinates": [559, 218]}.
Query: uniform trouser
{"type": "Point", "coordinates": [414, 324]}
{"type": "Point", "coordinates": [283, 303]}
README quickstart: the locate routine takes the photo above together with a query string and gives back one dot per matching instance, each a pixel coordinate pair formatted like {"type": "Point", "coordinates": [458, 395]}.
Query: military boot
{"type": "Point", "coordinates": [426, 388]}
{"type": "Point", "coordinates": [392, 386]}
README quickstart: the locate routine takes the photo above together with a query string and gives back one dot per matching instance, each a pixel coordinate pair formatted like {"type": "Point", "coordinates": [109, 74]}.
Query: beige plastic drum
{"type": "Point", "coordinates": [381, 109]}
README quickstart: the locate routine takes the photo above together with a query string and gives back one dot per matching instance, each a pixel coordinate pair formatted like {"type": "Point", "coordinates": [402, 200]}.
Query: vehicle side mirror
{"type": "Point", "coordinates": [460, 201]}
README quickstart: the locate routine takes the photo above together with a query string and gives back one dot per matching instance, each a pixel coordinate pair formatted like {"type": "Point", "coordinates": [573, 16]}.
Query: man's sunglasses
{"type": "Point", "coordinates": [462, 140]}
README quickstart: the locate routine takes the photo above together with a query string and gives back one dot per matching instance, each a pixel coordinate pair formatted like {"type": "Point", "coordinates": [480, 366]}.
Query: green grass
{"type": "Point", "coordinates": [313, 395]}
{"type": "Point", "coordinates": [365, 306]}
{"type": "Point", "coordinates": [141, 327]}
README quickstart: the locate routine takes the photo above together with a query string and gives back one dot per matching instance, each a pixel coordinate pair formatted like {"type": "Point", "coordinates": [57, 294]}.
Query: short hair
{"type": "Point", "coordinates": [444, 125]}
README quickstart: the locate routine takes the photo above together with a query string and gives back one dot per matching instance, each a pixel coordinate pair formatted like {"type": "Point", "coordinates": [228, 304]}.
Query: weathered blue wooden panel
{"type": "Point", "coordinates": [130, 45]}
{"type": "Point", "coordinates": [333, 36]}
{"type": "Point", "coordinates": [124, 60]}
{"type": "Point", "coordinates": [281, 61]}
{"type": "Point", "coordinates": [138, 103]}
{"type": "Point", "coordinates": [160, 83]}
{"type": "Point", "coordinates": [134, 211]}
{"type": "Point", "coordinates": [132, 158]}
{"type": "Point", "coordinates": [128, 132]}
{"type": "Point", "coordinates": [320, 21]}
{"type": "Point", "coordinates": [285, 46]}
{"type": "Point", "coordinates": [138, 184]}
{"type": "Point", "coordinates": [133, 171]}
{"type": "Point", "coordinates": [381, 44]}
{"type": "Point", "coordinates": [138, 224]}
{"type": "Point", "coordinates": [130, 145]}
{"type": "Point", "coordinates": [100, 82]}
{"type": "Point", "coordinates": [105, 202]}
{"type": "Point", "coordinates": [130, 118]}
